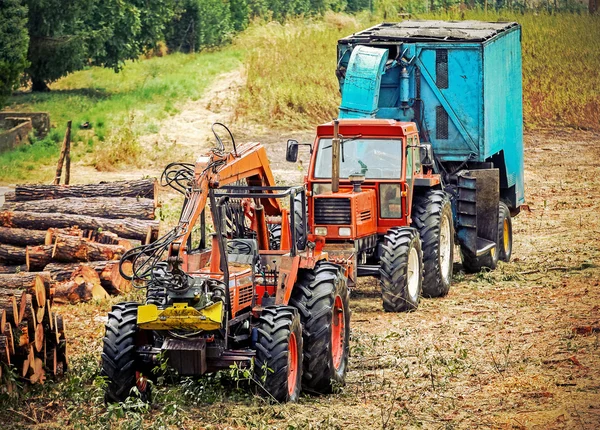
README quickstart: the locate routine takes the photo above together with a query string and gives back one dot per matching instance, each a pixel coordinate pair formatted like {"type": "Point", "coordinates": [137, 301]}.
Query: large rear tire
{"type": "Point", "coordinates": [278, 361]}
{"type": "Point", "coordinates": [401, 270]}
{"type": "Point", "coordinates": [432, 217]}
{"type": "Point", "coordinates": [119, 356]}
{"type": "Point", "coordinates": [321, 297]}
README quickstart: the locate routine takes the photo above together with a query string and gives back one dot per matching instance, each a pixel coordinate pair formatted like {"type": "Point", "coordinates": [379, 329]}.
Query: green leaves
{"type": "Point", "coordinates": [13, 45]}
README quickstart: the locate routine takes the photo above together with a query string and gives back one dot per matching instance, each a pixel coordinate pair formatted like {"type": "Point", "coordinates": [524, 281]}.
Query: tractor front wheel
{"type": "Point", "coordinates": [401, 270]}
{"type": "Point", "coordinates": [119, 356]}
{"type": "Point", "coordinates": [321, 297]}
{"type": "Point", "coordinates": [278, 361]}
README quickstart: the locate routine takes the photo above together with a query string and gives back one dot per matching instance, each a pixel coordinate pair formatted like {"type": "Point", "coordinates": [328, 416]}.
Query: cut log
{"type": "Point", "coordinates": [2, 317]}
{"type": "Point", "coordinates": [144, 188]}
{"type": "Point", "coordinates": [11, 305]}
{"type": "Point", "coordinates": [28, 363]}
{"type": "Point", "coordinates": [103, 207]}
{"type": "Point", "coordinates": [70, 248]}
{"type": "Point", "coordinates": [144, 230]}
{"type": "Point", "coordinates": [52, 233]}
{"type": "Point", "coordinates": [38, 375]}
{"type": "Point", "coordinates": [22, 236]}
{"type": "Point", "coordinates": [10, 254]}
{"type": "Point", "coordinates": [4, 351]}
{"type": "Point", "coordinates": [8, 332]}
{"type": "Point", "coordinates": [29, 315]}
{"type": "Point", "coordinates": [21, 335]}
{"type": "Point", "coordinates": [108, 271]}
{"type": "Point", "coordinates": [9, 196]}
{"type": "Point", "coordinates": [51, 359]}
{"type": "Point", "coordinates": [14, 269]}
{"type": "Point", "coordinates": [35, 283]}
{"type": "Point", "coordinates": [39, 337]}
{"type": "Point", "coordinates": [37, 257]}
{"type": "Point", "coordinates": [48, 317]}
{"type": "Point", "coordinates": [74, 292]}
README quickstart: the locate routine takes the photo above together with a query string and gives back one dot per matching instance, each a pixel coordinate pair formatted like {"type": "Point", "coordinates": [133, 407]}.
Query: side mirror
{"type": "Point", "coordinates": [426, 154]}
{"type": "Point", "coordinates": [291, 154]}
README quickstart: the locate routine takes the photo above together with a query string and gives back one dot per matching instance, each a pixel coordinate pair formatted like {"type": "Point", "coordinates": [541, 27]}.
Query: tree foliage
{"type": "Point", "coordinates": [13, 45]}
{"type": "Point", "coordinates": [67, 36]}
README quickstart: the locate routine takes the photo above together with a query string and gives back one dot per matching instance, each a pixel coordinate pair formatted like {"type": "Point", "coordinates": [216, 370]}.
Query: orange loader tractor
{"type": "Point", "coordinates": [249, 294]}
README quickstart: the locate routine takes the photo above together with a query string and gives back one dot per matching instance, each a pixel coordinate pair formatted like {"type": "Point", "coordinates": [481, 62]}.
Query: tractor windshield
{"type": "Point", "coordinates": [375, 158]}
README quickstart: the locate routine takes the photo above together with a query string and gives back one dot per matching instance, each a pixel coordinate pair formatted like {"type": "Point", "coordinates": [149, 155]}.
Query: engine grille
{"type": "Point", "coordinates": [332, 211]}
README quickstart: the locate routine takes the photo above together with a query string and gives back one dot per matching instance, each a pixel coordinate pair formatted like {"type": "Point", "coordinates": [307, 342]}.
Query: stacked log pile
{"type": "Point", "coordinates": [62, 244]}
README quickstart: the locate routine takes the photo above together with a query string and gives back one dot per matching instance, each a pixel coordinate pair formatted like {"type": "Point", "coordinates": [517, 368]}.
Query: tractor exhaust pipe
{"type": "Point", "coordinates": [335, 157]}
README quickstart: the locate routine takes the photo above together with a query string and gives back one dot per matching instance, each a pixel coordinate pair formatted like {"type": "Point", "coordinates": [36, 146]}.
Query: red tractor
{"type": "Point", "coordinates": [372, 192]}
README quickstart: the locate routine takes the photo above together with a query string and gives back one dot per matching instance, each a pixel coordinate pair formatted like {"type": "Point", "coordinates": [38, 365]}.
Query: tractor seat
{"type": "Point", "coordinates": [242, 251]}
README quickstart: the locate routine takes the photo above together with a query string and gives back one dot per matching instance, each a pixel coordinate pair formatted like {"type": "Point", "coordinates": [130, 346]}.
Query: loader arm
{"type": "Point", "coordinates": [249, 163]}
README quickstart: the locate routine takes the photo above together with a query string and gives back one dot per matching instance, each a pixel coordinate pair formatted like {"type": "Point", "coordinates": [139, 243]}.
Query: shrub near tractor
{"type": "Point", "coordinates": [236, 299]}
{"type": "Point", "coordinates": [428, 148]}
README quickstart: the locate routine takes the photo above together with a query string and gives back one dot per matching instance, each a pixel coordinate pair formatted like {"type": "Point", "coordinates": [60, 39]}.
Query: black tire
{"type": "Point", "coordinates": [320, 295]}
{"type": "Point", "coordinates": [300, 225]}
{"type": "Point", "coordinates": [431, 213]}
{"type": "Point", "coordinates": [275, 328]}
{"type": "Point", "coordinates": [394, 270]}
{"type": "Point", "coordinates": [274, 236]}
{"type": "Point", "coordinates": [156, 295]}
{"type": "Point", "coordinates": [504, 226]}
{"type": "Point", "coordinates": [119, 356]}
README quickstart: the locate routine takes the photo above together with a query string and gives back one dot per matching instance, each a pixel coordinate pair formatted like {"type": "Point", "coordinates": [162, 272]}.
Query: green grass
{"type": "Point", "coordinates": [292, 84]}
{"type": "Point", "coordinates": [149, 90]}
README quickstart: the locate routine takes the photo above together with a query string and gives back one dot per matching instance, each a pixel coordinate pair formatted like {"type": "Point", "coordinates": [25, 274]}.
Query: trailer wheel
{"type": "Point", "coordinates": [504, 233]}
{"type": "Point", "coordinates": [432, 217]}
{"type": "Point", "coordinates": [321, 297]}
{"type": "Point", "coordinates": [119, 357]}
{"type": "Point", "coordinates": [401, 270]}
{"type": "Point", "coordinates": [278, 361]}
{"type": "Point", "coordinates": [274, 236]}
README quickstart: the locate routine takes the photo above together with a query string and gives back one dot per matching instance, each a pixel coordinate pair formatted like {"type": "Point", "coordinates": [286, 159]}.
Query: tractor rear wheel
{"type": "Point", "coordinates": [321, 297]}
{"type": "Point", "coordinates": [401, 270]}
{"type": "Point", "coordinates": [119, 356]}
{"type": "Point", "coordinates": [278, 361]}
{"type": "Point", "coordinates": [432, 216]}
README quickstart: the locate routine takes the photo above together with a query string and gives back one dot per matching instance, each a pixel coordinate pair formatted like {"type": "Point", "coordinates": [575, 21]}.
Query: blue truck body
{"type": "Point", "coordinates": [460, 82]}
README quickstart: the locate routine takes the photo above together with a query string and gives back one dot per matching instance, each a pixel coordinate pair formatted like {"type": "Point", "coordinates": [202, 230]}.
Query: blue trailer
{"type": "Point", "coordinates": [431, 124]}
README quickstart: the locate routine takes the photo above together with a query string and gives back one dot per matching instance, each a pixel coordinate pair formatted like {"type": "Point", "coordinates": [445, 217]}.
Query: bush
{"type": "Point", "coordinates": [13, 45]}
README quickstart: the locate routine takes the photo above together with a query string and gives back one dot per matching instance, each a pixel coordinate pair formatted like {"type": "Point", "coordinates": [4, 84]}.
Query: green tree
{"type": "Point", "coordinates": [67, 36]}
{"type": "Point", "coordinates": [13, 45]}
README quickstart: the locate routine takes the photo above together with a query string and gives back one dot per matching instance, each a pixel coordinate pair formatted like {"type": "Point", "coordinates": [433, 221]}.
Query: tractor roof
{"type": "Point", "coordinates": [433, 31]}
{"type": "Point", "coordinates": [369, 127]}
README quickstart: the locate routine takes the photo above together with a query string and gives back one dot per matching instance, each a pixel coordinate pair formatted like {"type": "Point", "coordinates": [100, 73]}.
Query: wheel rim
{"type": "Point", "coordinates": [506, 232]}
{"type": "Point", "coordinates": [413, 274]}
{"type": "Point", "coordinates": [292, 364]}
{"type": "Point", "coordinates": [445, 249]}
{"type": "Point", "coordinates": [338, 331]}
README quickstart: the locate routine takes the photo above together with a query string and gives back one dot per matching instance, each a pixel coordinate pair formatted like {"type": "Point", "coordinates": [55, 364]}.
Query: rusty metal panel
{"type": "Point", "coordinates": [188, 356]}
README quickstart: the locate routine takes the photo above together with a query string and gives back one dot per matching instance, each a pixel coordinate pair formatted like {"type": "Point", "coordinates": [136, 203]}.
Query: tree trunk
{"type": "Point", "coordinates": [21, 236]}
{"type": "Point", "coordinates": [12, 254]}
{"type": "Point", "coordinates": [142, 188]}
{"type": "Point", "coordinates": [108, 271]}
{"type": "Point", "coordinates": [14, 269]}
{"type": "Point", "coordinates": [70, 248]}
{"type": "Point", "coordinates": [101, 207]}
{"type": "Point", "coordinates": [38, 85]}
{"type": "Point", "coordinates": [143, 230]}
{"type": "Point", "coordinates": [37, 257]}
{"type": "Point", "coordinates": [8, 302]}
{"type": "Point", "coordinates": [9, 196]}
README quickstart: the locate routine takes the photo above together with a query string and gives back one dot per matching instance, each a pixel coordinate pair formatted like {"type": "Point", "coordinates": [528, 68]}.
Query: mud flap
{"type": "Point", "coordinates": [477, 210]}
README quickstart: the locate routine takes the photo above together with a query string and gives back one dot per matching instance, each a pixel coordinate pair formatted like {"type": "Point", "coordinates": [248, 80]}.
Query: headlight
{"type": "Point", "coordinates": [345, 231]}
{"type": "Point", "coordinates": [321, 231]}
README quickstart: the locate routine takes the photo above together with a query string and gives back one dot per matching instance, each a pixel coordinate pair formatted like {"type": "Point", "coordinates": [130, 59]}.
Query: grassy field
{"type": "Point", "coordinates": [134, 101]}
{"type": "Point", "coordinates": [290, 86]}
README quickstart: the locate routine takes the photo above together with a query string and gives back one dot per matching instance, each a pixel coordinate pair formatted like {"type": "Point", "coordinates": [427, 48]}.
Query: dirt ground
{"type": "Point", "coordinates": [514, 348]}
